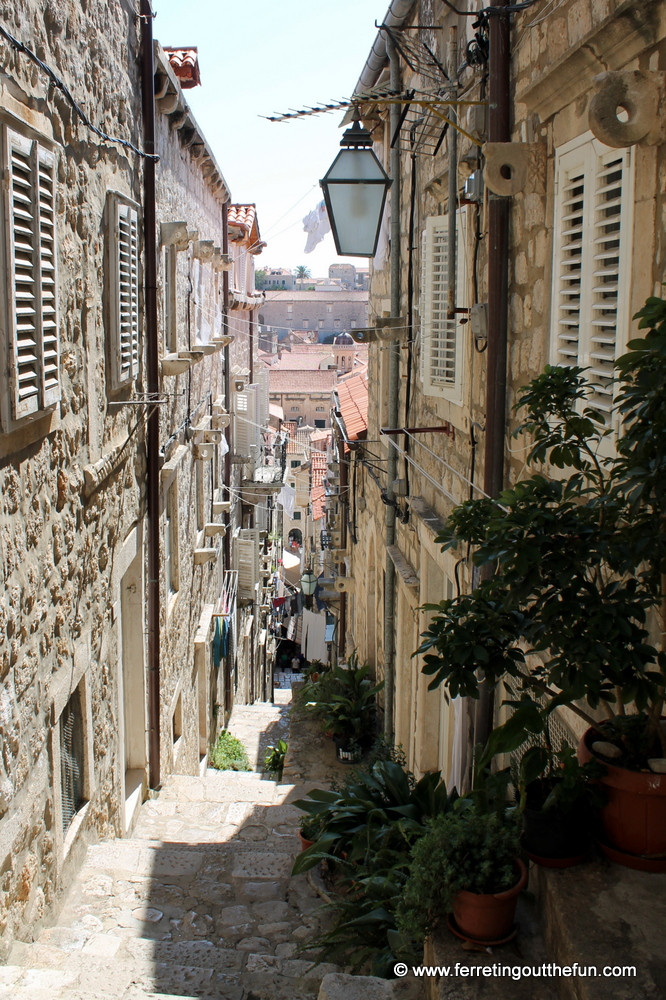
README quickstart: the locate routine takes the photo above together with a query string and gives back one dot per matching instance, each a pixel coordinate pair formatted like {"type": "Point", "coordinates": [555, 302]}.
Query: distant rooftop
{"type": "Point", "coordinates": [185, 64]}
{"type": "Point", "coordinates": [290, 381]}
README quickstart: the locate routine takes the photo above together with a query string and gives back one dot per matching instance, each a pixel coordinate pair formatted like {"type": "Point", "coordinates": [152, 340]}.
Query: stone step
{"type": "Point", "coordinates": [338, 986]}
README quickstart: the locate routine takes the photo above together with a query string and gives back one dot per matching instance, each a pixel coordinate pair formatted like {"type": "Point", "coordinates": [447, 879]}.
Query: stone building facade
{"type": "Point", "coordinates": [325, 312]}
{"type": "Point", "coordinates": [577, 193]}
{"type": "Point", "coordinates": [74, 708]}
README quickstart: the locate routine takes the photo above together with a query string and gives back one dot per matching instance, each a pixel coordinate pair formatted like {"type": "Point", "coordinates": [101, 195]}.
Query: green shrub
{"type": "Point", "coordinates": [229, 754]}
{"type": "Point", "coordinates": [462, 849]}
{"type": "Point", "coordinates": [274, 759]}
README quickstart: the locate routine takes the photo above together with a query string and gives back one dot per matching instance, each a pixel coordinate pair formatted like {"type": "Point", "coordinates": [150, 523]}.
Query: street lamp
{"type": "Point", "coordinates": [308, 583]}
{"type": "Point", "coordinates": [355, 193]}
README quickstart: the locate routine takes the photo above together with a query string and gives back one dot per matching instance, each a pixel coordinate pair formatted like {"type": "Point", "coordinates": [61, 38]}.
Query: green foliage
{"type": "Point", "coordinates": [343, 699]}
{"type": "Point", "coordinates": [274, 759]}
{"type": "Point", "coordinates": [365, 935]}
{"type": "Point", "coordinates": [229, 754]}
{"type": "Point", "coordinates": [461, 849]}
{"type": "Point", "coordinates": [375, 810]}
{"type": "Point", "coordinates": [575, 563]}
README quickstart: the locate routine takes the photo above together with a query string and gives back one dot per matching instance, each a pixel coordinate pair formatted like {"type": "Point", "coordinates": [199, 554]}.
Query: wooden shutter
{"type": "Point", "coordinates": [609, 240]}
{"type": "Point", "coordinates": [244, 422]}
{"type": "Point", "coordinates": [442, 340]}
{"type": "Point", "coordinates": [127, 292]}
{"type": "Point", "coordinates": [571, 224]}
{"type": "Point", "coordinates": [246, 547]}
{"type": "Point", "coordinates": [24, 353]}
{"type": "Point", "coordinates": [593, 195]}
{"type": "Point", "coordinates": [47, 276]}
{"type": "Point", "coordinates": [32, 299]}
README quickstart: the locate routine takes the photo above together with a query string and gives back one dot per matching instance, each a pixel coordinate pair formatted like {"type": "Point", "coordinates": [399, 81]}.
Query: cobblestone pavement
{"type": "Point", "coordinates": [199, 902]}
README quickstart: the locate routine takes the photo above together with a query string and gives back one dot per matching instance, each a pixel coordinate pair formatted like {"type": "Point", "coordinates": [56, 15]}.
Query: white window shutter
{"type": "Point", "coordinates": [442, 338]}
{"type": "Point", "coordinates": [127, 293]}
{"type": "Point", "coordinates": [25, 348]}
{"type": "Point", "coordinates": [47, 274]}
{"type": "Point", "coordinates": [609, 242]}
{"type": "Point", "coordinates": [246, 547]}
{"type": "Point", "coordinates": [593, 219]}
{"type": "Point", "coordinates": [572, 192]}
{"type": "Point", "coordinates": [244, 422]}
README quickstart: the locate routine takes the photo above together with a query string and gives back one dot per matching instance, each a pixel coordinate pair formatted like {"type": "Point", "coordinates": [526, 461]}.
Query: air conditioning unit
{"type": "Point", "coordinates": [345, 584]}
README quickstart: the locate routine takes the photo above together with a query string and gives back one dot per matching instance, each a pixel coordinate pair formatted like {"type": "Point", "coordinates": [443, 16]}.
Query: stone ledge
{"type": "Point", "coordinates": [602, 914]}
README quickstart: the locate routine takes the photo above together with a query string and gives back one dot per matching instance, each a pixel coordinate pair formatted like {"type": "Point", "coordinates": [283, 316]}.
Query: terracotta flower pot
{"type": "Point", "coordinates": [488, 917]}
{"type": "Point", "coordinates": [305, 843]}
{"type": "Point", "coordinates": [634, 818]}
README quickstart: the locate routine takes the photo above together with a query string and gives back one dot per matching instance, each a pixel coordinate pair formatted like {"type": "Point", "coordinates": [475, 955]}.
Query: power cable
{"type": "Point", "coordinates": [78, 110]}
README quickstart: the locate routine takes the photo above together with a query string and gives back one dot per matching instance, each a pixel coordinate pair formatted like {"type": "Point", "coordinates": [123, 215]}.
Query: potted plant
{"type": "Point", "coordinates": [310, 831]}
{"type": "Point", "coordinates": [467, 864]}
{"type": "Point", "coordinates": [577, 566]}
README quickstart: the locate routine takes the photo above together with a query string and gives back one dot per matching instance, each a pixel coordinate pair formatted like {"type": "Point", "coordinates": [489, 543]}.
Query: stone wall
{"type": "Point", "coordinates": [554, 62]}
{"type": "Point", "coordinates": [59, 540]}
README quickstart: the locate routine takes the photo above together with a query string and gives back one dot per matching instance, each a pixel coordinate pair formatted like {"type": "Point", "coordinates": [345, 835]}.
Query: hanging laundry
{"type": "Point", "coordinates": [316, 225]}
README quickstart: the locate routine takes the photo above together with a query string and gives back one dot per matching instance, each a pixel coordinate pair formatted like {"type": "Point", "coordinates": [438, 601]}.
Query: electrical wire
{"type": "Point", "coordinates": [446, 465]}
{"type": "Point", "coordinates": [78, 110]}
{"type": "Point", "coordinates": [438, 486]}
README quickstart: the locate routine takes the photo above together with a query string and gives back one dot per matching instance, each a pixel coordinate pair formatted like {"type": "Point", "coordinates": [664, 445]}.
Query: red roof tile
{"type": "Point", "coordinates": [244, 227]}
{"type": "Point", "coordinates": [353, 397]}
{"type": "Point", "coordinates": [185, 64]}
{"type": "Point", "coordinates": [317, 498]}
{"type": "Point", "coordinates": [302, 381]}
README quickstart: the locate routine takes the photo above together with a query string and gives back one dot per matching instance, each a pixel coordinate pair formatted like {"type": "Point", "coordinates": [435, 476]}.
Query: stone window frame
{"type": "Point", "coordinates": [124, 308]}
{"type": "Point", "coordinates": [591, 159]}
{"type": "Point", "coordinates": [170, 299]}
{"type": "Point", "coordinates": [35, 154]}
{"type": "Point", "coordinates": [172, 541]}
{"type": "Point", "coordinates": [72, 680]}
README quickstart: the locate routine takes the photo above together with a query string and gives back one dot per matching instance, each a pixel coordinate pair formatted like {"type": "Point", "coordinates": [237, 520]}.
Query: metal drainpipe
{"type": "Point", "coordinates": [152, 379]}
{"type": "Point", "coordinates": [227, 380]}
{"type": "Point", "coordinates": [394, 391]}
{"type": "Point", "coordinates": [453, 175]}
{"type": "Point", "coordinates": [499, 130]}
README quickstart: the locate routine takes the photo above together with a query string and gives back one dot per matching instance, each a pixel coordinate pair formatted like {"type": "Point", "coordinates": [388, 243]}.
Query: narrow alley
{"type": "Point", "coordinates": [199, 902]}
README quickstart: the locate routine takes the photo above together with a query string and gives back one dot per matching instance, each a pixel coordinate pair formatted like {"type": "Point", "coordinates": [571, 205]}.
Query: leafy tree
{"type": "Point", "coordinates": [302, 272]}
{"type": "Point", "coordinates": [260, 278]}
{"type": "Point", "coordinates": [578, 562]}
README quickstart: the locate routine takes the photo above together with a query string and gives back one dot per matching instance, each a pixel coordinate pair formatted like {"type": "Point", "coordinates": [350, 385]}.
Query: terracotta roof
{"type": "Point", "coordinates": [317, 498]}
{"type": "Point", "coordinates": [353, 398]}
{"type": "Point", "coordinates": [244, 227]}
{"type": "Point", "coordinates": [302, 381]}
{"type": "Point", "coordinates": [185, 64]}
{"type": "Point", "coordinates": [321, 435]}
{"type": "Point", "coordinates": [289, 296]}
{"type": "Point", "coordinates": [302, 362]}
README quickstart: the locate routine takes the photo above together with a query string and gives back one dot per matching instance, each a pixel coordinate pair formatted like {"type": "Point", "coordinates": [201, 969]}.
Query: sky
{"type": "Point", "coordinates": [259, 57]}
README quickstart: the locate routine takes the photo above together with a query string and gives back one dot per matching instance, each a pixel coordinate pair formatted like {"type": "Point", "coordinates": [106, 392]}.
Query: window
{"type": "Point", "coordinates": [171, 538]}
{"type": "Point", "coordinates": [295, 409]}
{"type": "Point", "coordinates": [353, 324]}
{"type": "Point", "coordinates": [336, 324]}
{"type": "Point", "coordinates": [294, 464]}
{"type": "Point", "coordinates": [592, 246]}
{"type": "Point", "coordinates": [321, 324]}
{"type": "Point", "coordinates": [442, 338]}
{"type": "Point", "coordinates": [72, 761]}
{"type": "Point", "coordinates": [290, 309]}
{"type": "Point", "coordinates": [31, 256]}
{"type": "Point", "coordinates": [320, 423]}
{"type": "Point", "coordinates": [124, 293]}
{"type": "Point", "coordinates": [320, 409]}
{"type": "Point", "coordinates": [297, 515]}
{"type": "Point", "coordinates": [305, 324]}
{"type": "Point", "coordinates": [329, 308]}
{"type": "Point", "coordinates": [170, 328]}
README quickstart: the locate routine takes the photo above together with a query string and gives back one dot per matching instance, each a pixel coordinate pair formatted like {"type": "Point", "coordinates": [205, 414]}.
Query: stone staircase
{"type": "Point", "coordinates": [198, 904]}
